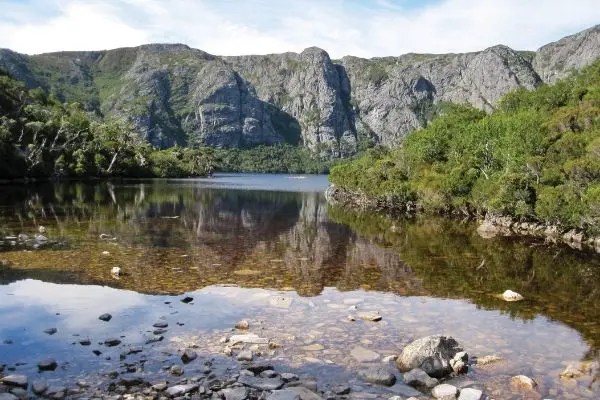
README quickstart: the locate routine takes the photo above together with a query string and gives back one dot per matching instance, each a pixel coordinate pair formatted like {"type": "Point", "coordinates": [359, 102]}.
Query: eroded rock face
{"type": "Point", "coordinates": [432, 354]}
{"type": "Point", "coordinates": [179, 95]}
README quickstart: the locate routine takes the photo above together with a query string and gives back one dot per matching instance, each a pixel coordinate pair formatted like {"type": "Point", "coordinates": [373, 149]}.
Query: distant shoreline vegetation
{"type": "Point", "coordinates": [536, 157]}
{"type": "Point", "coordinates": [42, 138]}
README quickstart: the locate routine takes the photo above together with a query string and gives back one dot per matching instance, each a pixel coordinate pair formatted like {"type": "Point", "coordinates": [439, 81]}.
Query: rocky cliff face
{"type": "Point", "coordinates": [179, 95]}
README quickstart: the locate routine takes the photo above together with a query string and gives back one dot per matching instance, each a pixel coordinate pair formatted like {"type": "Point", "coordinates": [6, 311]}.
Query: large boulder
{"type": "Point", "coordinates": [432, 354]}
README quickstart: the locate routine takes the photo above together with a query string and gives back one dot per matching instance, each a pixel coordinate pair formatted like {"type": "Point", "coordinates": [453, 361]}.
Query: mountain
{"type": "Point", "coordinates": [179, 95]}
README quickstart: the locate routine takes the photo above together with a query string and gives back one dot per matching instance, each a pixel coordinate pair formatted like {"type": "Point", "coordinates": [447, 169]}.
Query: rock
{"type": "Point", "coordinates": [154, 339]}
{"type": "Point", "coordinates": [160, 324]}
{"type": "Point", "coordinates": [105, 317]}
{"type": "Point", "coordinates": [160, 386]}
{"type": "Point", "coordinates": [249, 338]}
{"type": "Point", "coordinates": [261, 383]}
{"type": "Point", "coordinates": [245, 355]}
{"type": "Point", "coordinates": [55, 391]}
{"type": "Point", "coordinates": [50, 331]}
{"type": "Point", "coordinates": [432, 354]}
{"type": "Point", "coordinates": [180, 390]}
{"type": "Point", "coordinates": [41, 229]}
{"type": "Point", "coordinates": [8, 396]}
{"type": "Point", "coordinates": [305, 393]}
{"type": "Point", "coordinates": [111, 342]}
{"type": "Point", "coordinates": [187, 300]}
{"type": "Point", "coordinates": [487, 360]}
{"type": "Point", "coordinates": [49, 364]}
{"type": "Point", "coordinates": [573, 372]}
{"type": "Point", "coordinates": [419, 378]}
{"type": "Point", "coordinates": [523, 382]}
{"type": "Point", "coordinates": [341, 389]}
{"type": "Point", "coordinates": [509, 295]}
{"type": "Point", "coordinates": [470, 394]}
{"type": "Point", "coordinates": [176, 370]}
{"type": "Point", "coordinates": [370, 316]}
{"type": "Point", "coordinates": [459, 362]}
{"type": "Point", "coordinates": [289, 377]}
{"type": "Point", "coordinates": [243, 324]}
{"type": "Point", "coordinates": [131, 381]}
{"type": "Point", "coordinates": [268, 374]}
{"type": "Point", "coordinates": [15, 380]}
{"type": "Point", "coordinates": [260, 367]}
{"type": "Point", "coordinates": [444, 392]}
{"type": "Point", "coordinates": [286, 394]}
{"type": "Point", "coordinates": [362, 354]}
{"type": "Point", "coordinates": [378, 375]}
{"type": "Point", "coordinates": [85, 342]}
{"type": "Point", "coordinates": [134, 350]}
{"type": "Point", "coordinates": [188, 356]}
{"type": "Point", "coordinates": [159, 331]}
{"type": "Point", "coordinates": [39, 386]}
{"type": "Point", "coordinates": [237, 393]}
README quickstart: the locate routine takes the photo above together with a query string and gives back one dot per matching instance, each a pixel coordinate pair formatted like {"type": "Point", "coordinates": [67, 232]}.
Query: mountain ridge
{"type": "Point", "coordinates": [176, 94]}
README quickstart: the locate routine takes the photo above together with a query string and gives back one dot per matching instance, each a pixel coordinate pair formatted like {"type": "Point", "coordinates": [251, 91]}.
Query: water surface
{"type": "Point", "coordinates": [239, 243]}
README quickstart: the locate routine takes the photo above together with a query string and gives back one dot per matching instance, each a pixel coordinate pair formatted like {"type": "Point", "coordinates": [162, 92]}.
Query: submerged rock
{"type": "Point", "coordinates": [39, 386]}
{"type": "Point", "coordinates": [419, 378]}
{"type": "Point", "coordinates": [261, 383]}
{"type": "Point", "coordinates": [378, 375]}
{"type": "Point", "coordinates": [50, 331]}
{"type": "Point", "coordinates": [16, 380]}
{"type": "Point", "coordinates": [188, 356]}
{"type": "Point", "coordinates": [487, 360]}
{"type": "Point", "coordinates": [523, 382]}
{"type": "Point", "coordinates": [432, 354]}
{"type": "Point", "coordinates": [362, 354]}
{"type": "Point", "coordinates": [243, 325]}
{"type": "Point", "coordinates": [470, 394]}
{"type": "Point", "coordinates": [48, 364]}
{"type": "Point", "coordinates": [111, 342]}
{"type": "Point", "coordinates": [180, 390]}
{"type": "Point", "coordinates": [105, 317]}
{"type": "Point", "coordinates": [370, 316]}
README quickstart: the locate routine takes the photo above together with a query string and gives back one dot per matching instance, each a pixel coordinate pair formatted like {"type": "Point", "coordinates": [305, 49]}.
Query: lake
{"type": "Point", "coordinates": [269, 250]}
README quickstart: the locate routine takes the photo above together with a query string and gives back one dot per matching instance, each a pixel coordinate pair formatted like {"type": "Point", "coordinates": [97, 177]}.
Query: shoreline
{"type": "Point", "coordinates": [490, 226]}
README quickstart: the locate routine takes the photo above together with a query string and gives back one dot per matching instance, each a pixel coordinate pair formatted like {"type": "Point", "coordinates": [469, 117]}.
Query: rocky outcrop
{"type": "Point", "coordinates": [179, 95]}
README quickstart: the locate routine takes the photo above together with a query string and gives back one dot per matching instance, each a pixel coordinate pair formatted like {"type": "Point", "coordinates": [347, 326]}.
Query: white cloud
{"type": "Point", "coordinates": [230, 27]}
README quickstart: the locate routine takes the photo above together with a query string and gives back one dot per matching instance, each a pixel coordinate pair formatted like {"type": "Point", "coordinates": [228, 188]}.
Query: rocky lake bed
{"type": "Point", "coordinates": [196, 290]}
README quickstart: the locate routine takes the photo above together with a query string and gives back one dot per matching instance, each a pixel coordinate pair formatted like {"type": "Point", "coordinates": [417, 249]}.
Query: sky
{"type": "Point", "coordinates": [364, 28]}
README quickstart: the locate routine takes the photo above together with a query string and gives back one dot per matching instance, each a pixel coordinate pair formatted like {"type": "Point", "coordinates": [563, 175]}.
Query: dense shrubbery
{"type": "Point", "coordinates": [536, 157]}
{"type": "Point", "coordinates": [277, 158]}
{"type": "Point", "coordinates": [41, 137]}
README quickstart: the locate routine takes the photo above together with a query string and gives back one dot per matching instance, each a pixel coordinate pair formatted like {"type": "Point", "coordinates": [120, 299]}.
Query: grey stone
{"type": "Point", "coordinates": [130, 381]}
{"type": "Point", "coordinates": [8, 396]}
{"type": "Point", "coordinates": [188, 356]}
{"type": "Point", "coordinates": [160, 324]}
{"type": "Point", "coordinates": [362, 354]}
{"type": "Point", "coordinates": [418, 378]}
{"type": "Point", "coordinates": [444, 392]}
{"type": "Point", "coordinates": [245, 355]}
{"type": "Point", "coordinates": [15, 380]}
{"type": "Point", "coordinates": [180, 390]}
{"type": "Point", "coordinates": [105, 317]}
{"type": "Point", "coordinates": [237, 393]}
{"type": "Point", "coordinates": [261, 383]}
{"type": "Point", "coordinates": [378, 375]}
{"type": "Point", "coordinates": [268, 374]}
{"type": "Point", "coordinates": [405, 390]}
{"type": "Point", "coordinates": [154, 339]}
{"type": "Point", "coordinates": [176, 370]}
{"type": "Point", "coordinates": [289, 377]}
{"type": "Point", "coordinates": [111, 342]}
{"type": "Point", "coordinates": [50, 331]}
{"type": "Point", "coordinates": [286, 394]}
{"type": "Point", "coordinates": [470, 394]}
{"type": "Point", "coordinates": [341, 389]}
{"type": "Point", "coordinates": [305, 393]}
{"type": "Point", "coordinates": [432, 354]}
{"type": "Point", "coordinates": [49, 364]}
{"type": "Point", "coordinates": [39, 386]}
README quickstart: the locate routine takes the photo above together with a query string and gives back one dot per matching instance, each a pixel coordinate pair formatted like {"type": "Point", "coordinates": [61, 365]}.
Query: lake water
{"type": "Point", "coordinates": [268, 249]}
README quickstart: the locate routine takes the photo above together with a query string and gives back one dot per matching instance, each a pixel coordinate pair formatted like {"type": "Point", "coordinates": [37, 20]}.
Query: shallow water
{"type": "Point", "coordinates": [238, 242]}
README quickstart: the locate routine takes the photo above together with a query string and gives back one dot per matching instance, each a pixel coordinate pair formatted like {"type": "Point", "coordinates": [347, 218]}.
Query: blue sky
{"type": "Point", "coordinates": [365, 28]}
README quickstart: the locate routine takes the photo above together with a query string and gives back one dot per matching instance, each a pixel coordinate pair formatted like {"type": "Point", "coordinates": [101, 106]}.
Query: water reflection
{"type": "Point", "coordinates": [173, 237]}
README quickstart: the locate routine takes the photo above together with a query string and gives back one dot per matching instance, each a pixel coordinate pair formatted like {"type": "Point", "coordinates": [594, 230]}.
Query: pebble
{"type": "Point", "coordinates": [160, 324]}
{"type": "Point", "coordinates": [176, 370]}
{"type": "Point", "coordinates": [261, 383]}
{"type": "Point", "coordinates": [39, 386]}
{"type": "Point", "coordinates": [50, 331]}
{"type": "Point", "coordinates": [112, 342]}
{"type": "Point", "coordinates": [243, 325]}
{"type": "Point", "coordinates": [378, 375]}
{"type": "Point", "coordinates": [245, 355]}
{"type": "Point", "coordinates": [15, 380]}
{"type": "Point", "coordinates": [188, 356]}
{"type": "Point", "coordinates": [289, 377]}
{"type": "Point", "coordinates": [523, 382]}
{"type": "Point", "coordinates": [48, 364]}
{"type": "Point", "coordinates": [509, 295]}
{"type": "Point", "coordinates": [105, 317]}
{"type": "Point", "coordinates": [444, 392]}
{"type": "Point", "coordinates": [470, 394]}
{"type": "Point", "coordinates": [187, 300]}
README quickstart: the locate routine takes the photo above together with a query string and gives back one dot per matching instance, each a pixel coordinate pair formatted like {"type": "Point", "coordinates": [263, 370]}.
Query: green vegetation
{"type": "Point", "coordinates": [277, 158]}
{"type": "Point", "coordinates": [42, 137]}
{"type": "Point", "coordinates": [537, 157]}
